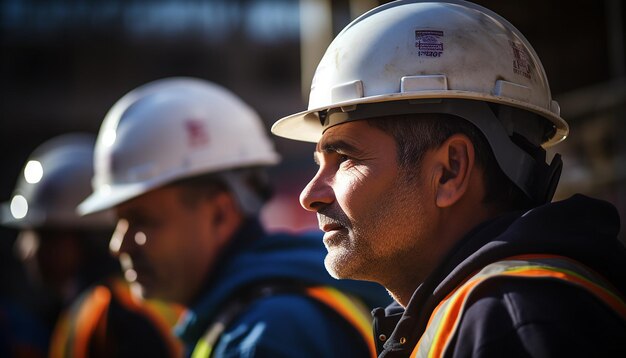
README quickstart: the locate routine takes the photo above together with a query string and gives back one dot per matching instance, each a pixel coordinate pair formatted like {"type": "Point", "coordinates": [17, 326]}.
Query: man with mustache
{"type": "Point", "coordinates": [182, 161]}
{"type": "Point", "coordinates": [431, 119]}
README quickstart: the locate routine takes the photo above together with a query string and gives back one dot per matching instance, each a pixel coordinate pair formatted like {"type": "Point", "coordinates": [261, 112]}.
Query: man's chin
{"type": "Point", "coordinates": [338, 266]}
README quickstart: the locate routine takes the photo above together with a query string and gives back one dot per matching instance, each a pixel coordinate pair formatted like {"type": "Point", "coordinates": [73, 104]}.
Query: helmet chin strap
{"type": "Point", "coordinates": [546, 176]}
{"type": "Point", "coordinates": [249, 202]}
{"type": "Point", "coordinates": [525, 167]}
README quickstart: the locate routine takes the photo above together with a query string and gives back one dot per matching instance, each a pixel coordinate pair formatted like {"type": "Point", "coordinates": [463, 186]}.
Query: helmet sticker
{"type": "Point", "coordinates": [196, 133]}
{"type": "Point", "coordinates": [521, 60]}
{"type": "Point", "coordinates": [429, 43]}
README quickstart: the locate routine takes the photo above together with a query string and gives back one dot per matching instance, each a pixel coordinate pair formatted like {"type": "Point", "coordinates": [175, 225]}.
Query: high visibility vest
{"type": "Point", "coordinates": [84, 326]}
{"type": "Point", "coordinates": [347, 306]}
{"type": "Point", "coordinates": [446, 316]}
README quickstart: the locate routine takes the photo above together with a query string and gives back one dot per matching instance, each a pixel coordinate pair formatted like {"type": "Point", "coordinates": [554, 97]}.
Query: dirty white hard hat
{"type": "Point", "coordinates": [172, 129]}
{"type": "Point", "coordinates": [450, 57]}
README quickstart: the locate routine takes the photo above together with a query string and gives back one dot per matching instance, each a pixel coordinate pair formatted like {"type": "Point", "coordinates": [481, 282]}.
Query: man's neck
{"type": "Point", "coordinates": [451, 227]}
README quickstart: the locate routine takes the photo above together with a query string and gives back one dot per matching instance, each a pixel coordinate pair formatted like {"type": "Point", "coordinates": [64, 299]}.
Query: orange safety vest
{"type": "Point", "coordinates": [85, 324]}
{"type": "Point", "coordinates": [446, 317]}
{"type": "Point", "coordinates": [348, 307]}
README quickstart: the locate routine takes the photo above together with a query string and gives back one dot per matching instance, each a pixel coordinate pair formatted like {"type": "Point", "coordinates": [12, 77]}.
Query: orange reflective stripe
{"type": "Point", "coordinates": [85, 325]}
{"type": "Point", "coordinates": [161, 315]}
{"type": "Point", "coordinates": [450, 319]}
{"type": "Point", "coordinates": [88, 317]}
{"type": "Point", "coordinates": [350, 310]}
{"type": "Point", "coordinates": [64, 338]}
{"type": "Point", "coordinates": [602, 293]}
{"type": "Point", "coordinates": [445, 319]}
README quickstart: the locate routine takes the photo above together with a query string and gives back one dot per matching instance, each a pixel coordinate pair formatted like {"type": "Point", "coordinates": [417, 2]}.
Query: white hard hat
{"type": "Point", "coordinates": [55, 179]}
{"type": "Point", "coordinates": [172, 129]}
{"type": "Point", "coordinates": [424, 57]}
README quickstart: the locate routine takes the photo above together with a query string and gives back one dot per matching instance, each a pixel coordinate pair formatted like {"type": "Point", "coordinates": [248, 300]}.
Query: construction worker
{"type": "Point", "coordinates": [68, 254]}
{"type": "Point", "coordinates": [182, 161]}
{"type": "Point", "coordinates": [431, 119]}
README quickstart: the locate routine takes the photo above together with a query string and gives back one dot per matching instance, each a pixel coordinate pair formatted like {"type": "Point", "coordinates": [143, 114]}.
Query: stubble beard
{"type": "Point", "coordinates": [341, 256]}
{"type": "Point", "coordinates": [373, 247]}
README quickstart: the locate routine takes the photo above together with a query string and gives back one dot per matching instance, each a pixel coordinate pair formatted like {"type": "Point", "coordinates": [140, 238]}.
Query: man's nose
{"type": "Point", "coordinates": [318, 193]}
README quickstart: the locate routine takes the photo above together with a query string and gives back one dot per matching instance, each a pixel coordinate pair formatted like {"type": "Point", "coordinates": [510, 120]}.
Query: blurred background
{"type": "Point", "coordinates": [64, 63]}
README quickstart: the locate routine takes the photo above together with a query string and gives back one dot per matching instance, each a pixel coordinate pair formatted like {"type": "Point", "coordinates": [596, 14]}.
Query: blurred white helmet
{"type": "Point", "coordinates": [172, 129]}
{"type": "Point", "coordinates": [450, 57]}
{"type": "Point", "coordinates": [55, 179]}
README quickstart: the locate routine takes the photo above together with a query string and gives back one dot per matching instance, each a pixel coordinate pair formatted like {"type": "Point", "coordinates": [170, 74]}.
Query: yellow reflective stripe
{"type": "Point", "coordinates": [350, 310]}
{"type": "Point", "coordinates": [202, 349]}
{"type": "Point", "coordinates": [169, 312]}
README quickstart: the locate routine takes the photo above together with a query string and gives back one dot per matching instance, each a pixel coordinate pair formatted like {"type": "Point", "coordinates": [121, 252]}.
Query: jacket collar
{"type": "Point", "coordinates": [407, 325]}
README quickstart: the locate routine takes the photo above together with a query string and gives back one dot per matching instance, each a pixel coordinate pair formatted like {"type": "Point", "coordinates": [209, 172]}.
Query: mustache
{"type": "Point", "coordinates": [332, 216]}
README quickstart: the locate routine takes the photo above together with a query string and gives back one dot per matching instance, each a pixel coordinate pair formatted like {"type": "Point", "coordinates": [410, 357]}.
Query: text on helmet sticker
{"type": "Point", "coordinates": [521, 60]}
{"type": "Point", "coordinates": [429, 43]}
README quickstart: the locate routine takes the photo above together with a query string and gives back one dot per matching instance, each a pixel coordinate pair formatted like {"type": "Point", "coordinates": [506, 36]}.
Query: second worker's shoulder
{"type": "Point", "coordinates": [292, 325]}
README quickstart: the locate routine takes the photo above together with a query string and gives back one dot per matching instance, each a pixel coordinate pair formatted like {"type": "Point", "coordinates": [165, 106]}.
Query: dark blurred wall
{"type": "Point", "coordinates": [64, 63]}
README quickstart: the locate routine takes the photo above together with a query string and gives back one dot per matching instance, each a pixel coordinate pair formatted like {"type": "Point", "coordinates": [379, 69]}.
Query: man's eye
{"type": "Point", "coordinates": [345, 161]}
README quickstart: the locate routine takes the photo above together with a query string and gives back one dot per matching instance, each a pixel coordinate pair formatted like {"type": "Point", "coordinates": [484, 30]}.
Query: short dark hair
{"type": "Point", "coordinates": [198, 188]}
{"type": "Point", "coordinates": [208, 185]}
{"type": "Point", "coordinates": [415, 134]}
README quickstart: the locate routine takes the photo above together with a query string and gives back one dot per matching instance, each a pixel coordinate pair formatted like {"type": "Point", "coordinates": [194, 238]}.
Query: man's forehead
{"type": "Point", "coordinates": [145, 202]}
{"type": "Point", "coordinates": [347, 133]}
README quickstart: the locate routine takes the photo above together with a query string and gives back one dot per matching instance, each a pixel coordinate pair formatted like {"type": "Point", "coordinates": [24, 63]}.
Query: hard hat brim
{"type": "Point", "coordinates": [110, 196]}
{"type": "Point", "coordinates": [306, 126]}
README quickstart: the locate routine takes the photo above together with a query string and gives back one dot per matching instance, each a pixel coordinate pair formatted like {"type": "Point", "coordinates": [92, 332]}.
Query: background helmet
{"type": "Point", "coordinates": [450, 57]}
{"type": "Point", "coordinates": [172, 129]}
{"type": "Point", "coordinates": [55, 179]}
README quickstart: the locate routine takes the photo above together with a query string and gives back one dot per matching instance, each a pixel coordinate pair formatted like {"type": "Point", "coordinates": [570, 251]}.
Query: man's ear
{"type": "Point", "coordinates": [225, 215]}
{"type": "Point", "coordinates": [455, 159]}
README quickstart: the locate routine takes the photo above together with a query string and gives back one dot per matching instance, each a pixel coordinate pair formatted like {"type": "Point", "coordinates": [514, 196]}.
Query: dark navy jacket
{"type": "Point", "coordinates": [280, 325]}
{"type": "Point", "coordinates": [530, 318]}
